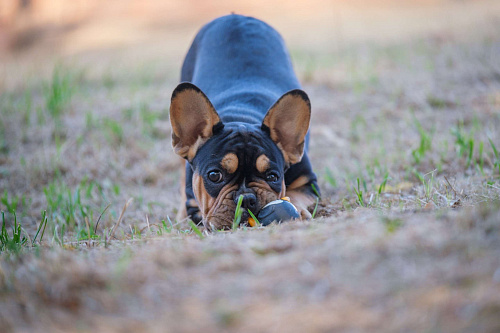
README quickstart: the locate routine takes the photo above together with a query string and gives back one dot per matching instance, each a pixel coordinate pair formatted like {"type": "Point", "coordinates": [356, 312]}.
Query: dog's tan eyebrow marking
{"type": "Point", "coordinates": [262, 163]}
{"type": "Point", "coordinates": [230, 162]}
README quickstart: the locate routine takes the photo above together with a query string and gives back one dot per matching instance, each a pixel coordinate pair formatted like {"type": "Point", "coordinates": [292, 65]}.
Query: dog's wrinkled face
{"type": "Point", "coordinates": [239, 159]}
{"type": "Point", "coordinates": [233, 159]}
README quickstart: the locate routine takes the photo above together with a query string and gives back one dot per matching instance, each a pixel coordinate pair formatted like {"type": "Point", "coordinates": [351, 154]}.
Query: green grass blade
{"type": "Point", "coordinates": [315, 208]}
{"type": "Point", "coordinates": [237, 213]}
{"type": "Point", "coordinates": [196, 229]}
{"type": "Point", "coordinates": [495, 151]}
{"type": "Point", "coordinates": [315, 190]}
{"type": "Point", "coordinates": [381, 188]}
{"type": "Point", "coordinates": [44, 220]}
{"type": "Point", "coordinates": [254, 217]}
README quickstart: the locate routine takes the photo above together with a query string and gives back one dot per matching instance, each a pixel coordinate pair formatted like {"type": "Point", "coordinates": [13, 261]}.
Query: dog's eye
{"type": "Point", "coordinates": [215, 176]}
{"type": "Point", "coordinates": [271, 177]}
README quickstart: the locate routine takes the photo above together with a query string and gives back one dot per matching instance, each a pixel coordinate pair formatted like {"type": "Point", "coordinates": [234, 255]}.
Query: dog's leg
{"type": "Point", "coordinates": [192, 208]}
{"type": "Point", "coordinates": [302, 187]}
{"type": "Point", "coordinates": [189, 205]}
{"type": "Point", "coordinates": [182, 212]}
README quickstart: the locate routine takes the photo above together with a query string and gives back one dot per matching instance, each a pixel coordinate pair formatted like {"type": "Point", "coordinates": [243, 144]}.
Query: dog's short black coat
{"type": "Point", "coordinates": [235, 71]}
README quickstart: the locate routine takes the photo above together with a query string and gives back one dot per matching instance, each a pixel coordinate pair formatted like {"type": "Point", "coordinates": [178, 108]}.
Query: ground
{"type": "Point", "coordinates": [405, 137]}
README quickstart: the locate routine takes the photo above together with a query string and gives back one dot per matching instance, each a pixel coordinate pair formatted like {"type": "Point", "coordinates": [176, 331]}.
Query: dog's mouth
{"type": "Point", "coordinates": [245, 216]}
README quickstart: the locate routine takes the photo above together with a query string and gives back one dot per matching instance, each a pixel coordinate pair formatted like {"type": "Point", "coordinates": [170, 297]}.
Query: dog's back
{"type": "Point", "coordinates": [242, 65]}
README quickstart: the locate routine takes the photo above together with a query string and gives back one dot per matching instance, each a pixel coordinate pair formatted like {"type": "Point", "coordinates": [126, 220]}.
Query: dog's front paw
{"type": "Point", "coordinates": [302, 201]}
{"type": "Point", "coordinates": [305, 214]}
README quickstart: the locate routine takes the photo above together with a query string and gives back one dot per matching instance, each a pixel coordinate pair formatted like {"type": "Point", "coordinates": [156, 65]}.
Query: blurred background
{"type": "Point", "coordinates": [85, 88]}
{"type": "Point", "coordinates": [405, 121]}
{"type": "Point", "coordinates": [34, 31]}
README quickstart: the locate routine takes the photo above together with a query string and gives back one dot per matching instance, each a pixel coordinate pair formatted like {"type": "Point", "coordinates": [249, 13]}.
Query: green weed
{"type": "Point", "coordinates": [496, 163]}
{"type": "Point", "coordinates": [4, 147]}
{"type": "Point", "coordinates": [237, 213]}
{"type": "Point", "coordinates": [57, 94]}
{"type": "Point", "coordinates": [67, 206]}
{"type": "Point", "coordinates": [480, 164]}
{"type": "Point", "coordinates": [330, 178]}
{"type": "Point", "coordinates": [41, 227]}
{"type": "Point", "coordinates": [27, 107]}
{"type": "Point", "coordinates": [427, 183]}
{"type": "Point", "coordinates": [425, 142]}
{"type": "Point", "coordinates": [357, 127]}
{"type": "Point", "coordinates": [87, 232]}
{"type": "Point", "coordinates": [315, 190]}
{"type": "Point", "coordinates": [313, 215]}
{"type": "Point", "coordinates": [381, 188]}
{"type": "Point", "coordinates": [10, 204]}
{"type": "Point", "coordinates": [15, 242]}
{"type": "Point", "coordinates": [464, 142]}
{"type": "Point", "coordinates": [113, 131]}
{"type": "Point", "coordinates": [257, 222]}
{"type": "Point", "coordinates": [359, 193]}
{"type": "Point", "coordinates": [164, 227]}
{"type": "Point", "coordinates": [438, 103]}
{"type": "Point", "coordinates": [148, 118]}
{"type": "Point", "coordinates": [392, 224]}
{"type": "Point", "coordinates": [195, 229]}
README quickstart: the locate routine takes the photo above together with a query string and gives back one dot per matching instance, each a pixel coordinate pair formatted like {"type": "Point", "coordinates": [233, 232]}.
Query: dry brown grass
{"type": "Point", "coordinates": [422, 255]}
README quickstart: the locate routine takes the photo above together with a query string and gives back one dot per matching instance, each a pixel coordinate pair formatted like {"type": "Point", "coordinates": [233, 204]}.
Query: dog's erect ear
{"type": "Point", "coordinates": [192, 117]}
{"type": "Point", "coordinates": [288, 121]}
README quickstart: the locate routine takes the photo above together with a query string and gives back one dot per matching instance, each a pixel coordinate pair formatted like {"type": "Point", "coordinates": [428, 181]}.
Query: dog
{"type": "Point", "coordinates": [240, 121]}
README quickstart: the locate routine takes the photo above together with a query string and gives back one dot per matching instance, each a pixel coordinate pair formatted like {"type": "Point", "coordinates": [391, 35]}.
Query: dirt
{"type": "Point", "coordinates": [406, 236]}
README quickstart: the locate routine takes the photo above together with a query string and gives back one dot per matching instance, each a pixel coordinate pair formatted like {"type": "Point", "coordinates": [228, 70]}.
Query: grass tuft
{"type": "Point", "coordinates": [425, 142]}
{"type": "Point", "coordinates": [15, 242]}
{"type": "Point", "coordinates": [359, 194]}
{"type": "Point", "coordinates": [43, 224]}
{"type": "Point", "coordinates": [497, 157]}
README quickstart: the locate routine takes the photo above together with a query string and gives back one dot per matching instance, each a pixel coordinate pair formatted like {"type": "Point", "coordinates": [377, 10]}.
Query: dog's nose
{"type": "Point", "coordinates": [249, 201]}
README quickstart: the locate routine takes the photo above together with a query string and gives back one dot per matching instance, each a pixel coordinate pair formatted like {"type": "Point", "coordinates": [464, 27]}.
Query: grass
{"type": "Point", "coordinates": [496, 163]}
{"type": "Point", "coordinates": [57, 94]}
{"type": "Point", "coordinates": [257, 222]}
{"type": "Point", "coordinates": [196, 230]}
{"type": "Point", "coordinates": [408, 166]}
{"type": "Point", "coordinates": [11, 203]}
{"type": "Point", "coordinates": [359, 193]}
{"type": "Point", "coordinates": [16, 240]}
{"type": "Point", "coordinates": [114, 131]}
{"type": "Point", "coordinates": [237, 213]}
{"type": "Point", "coordinates": [425, 145]}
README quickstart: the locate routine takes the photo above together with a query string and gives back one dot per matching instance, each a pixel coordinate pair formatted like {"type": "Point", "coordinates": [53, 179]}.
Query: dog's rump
{"type": "Point", "coordinates": [239, 58]}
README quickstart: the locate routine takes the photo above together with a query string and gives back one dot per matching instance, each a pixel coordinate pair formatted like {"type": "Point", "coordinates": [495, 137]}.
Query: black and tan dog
{"type": "Point", "coordinates": [241, 122]}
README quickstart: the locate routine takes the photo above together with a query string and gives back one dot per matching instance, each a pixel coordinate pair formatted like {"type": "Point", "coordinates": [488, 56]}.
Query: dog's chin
{"type": "Point", "coordinates": [221, 217]}
{"type": "Point", "coordinates": [225, 221]}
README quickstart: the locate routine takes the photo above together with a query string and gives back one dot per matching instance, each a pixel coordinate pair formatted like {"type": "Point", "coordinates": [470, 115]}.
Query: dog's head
{"type": "Point", "coordinates": [233, 159]}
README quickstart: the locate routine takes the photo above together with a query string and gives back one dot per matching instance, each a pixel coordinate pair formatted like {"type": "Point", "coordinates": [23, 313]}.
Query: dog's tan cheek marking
{"type": "Point", "coordinates": [230, 162]}
{"type": "Point", "coordinates": [220, 215]}
{"type": "Point", "coordinates": [262, 163]}
{"type": "Point", "coordinates": [215, 212]}
{"type": "Point", "coordinates": [205, 201]}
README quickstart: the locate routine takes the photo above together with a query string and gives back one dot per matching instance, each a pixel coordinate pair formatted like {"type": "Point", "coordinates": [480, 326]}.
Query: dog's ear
{"type": "Point", "coordinates": [287, 122]}
{"type": "Point", "coordinates": [192, 117]}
